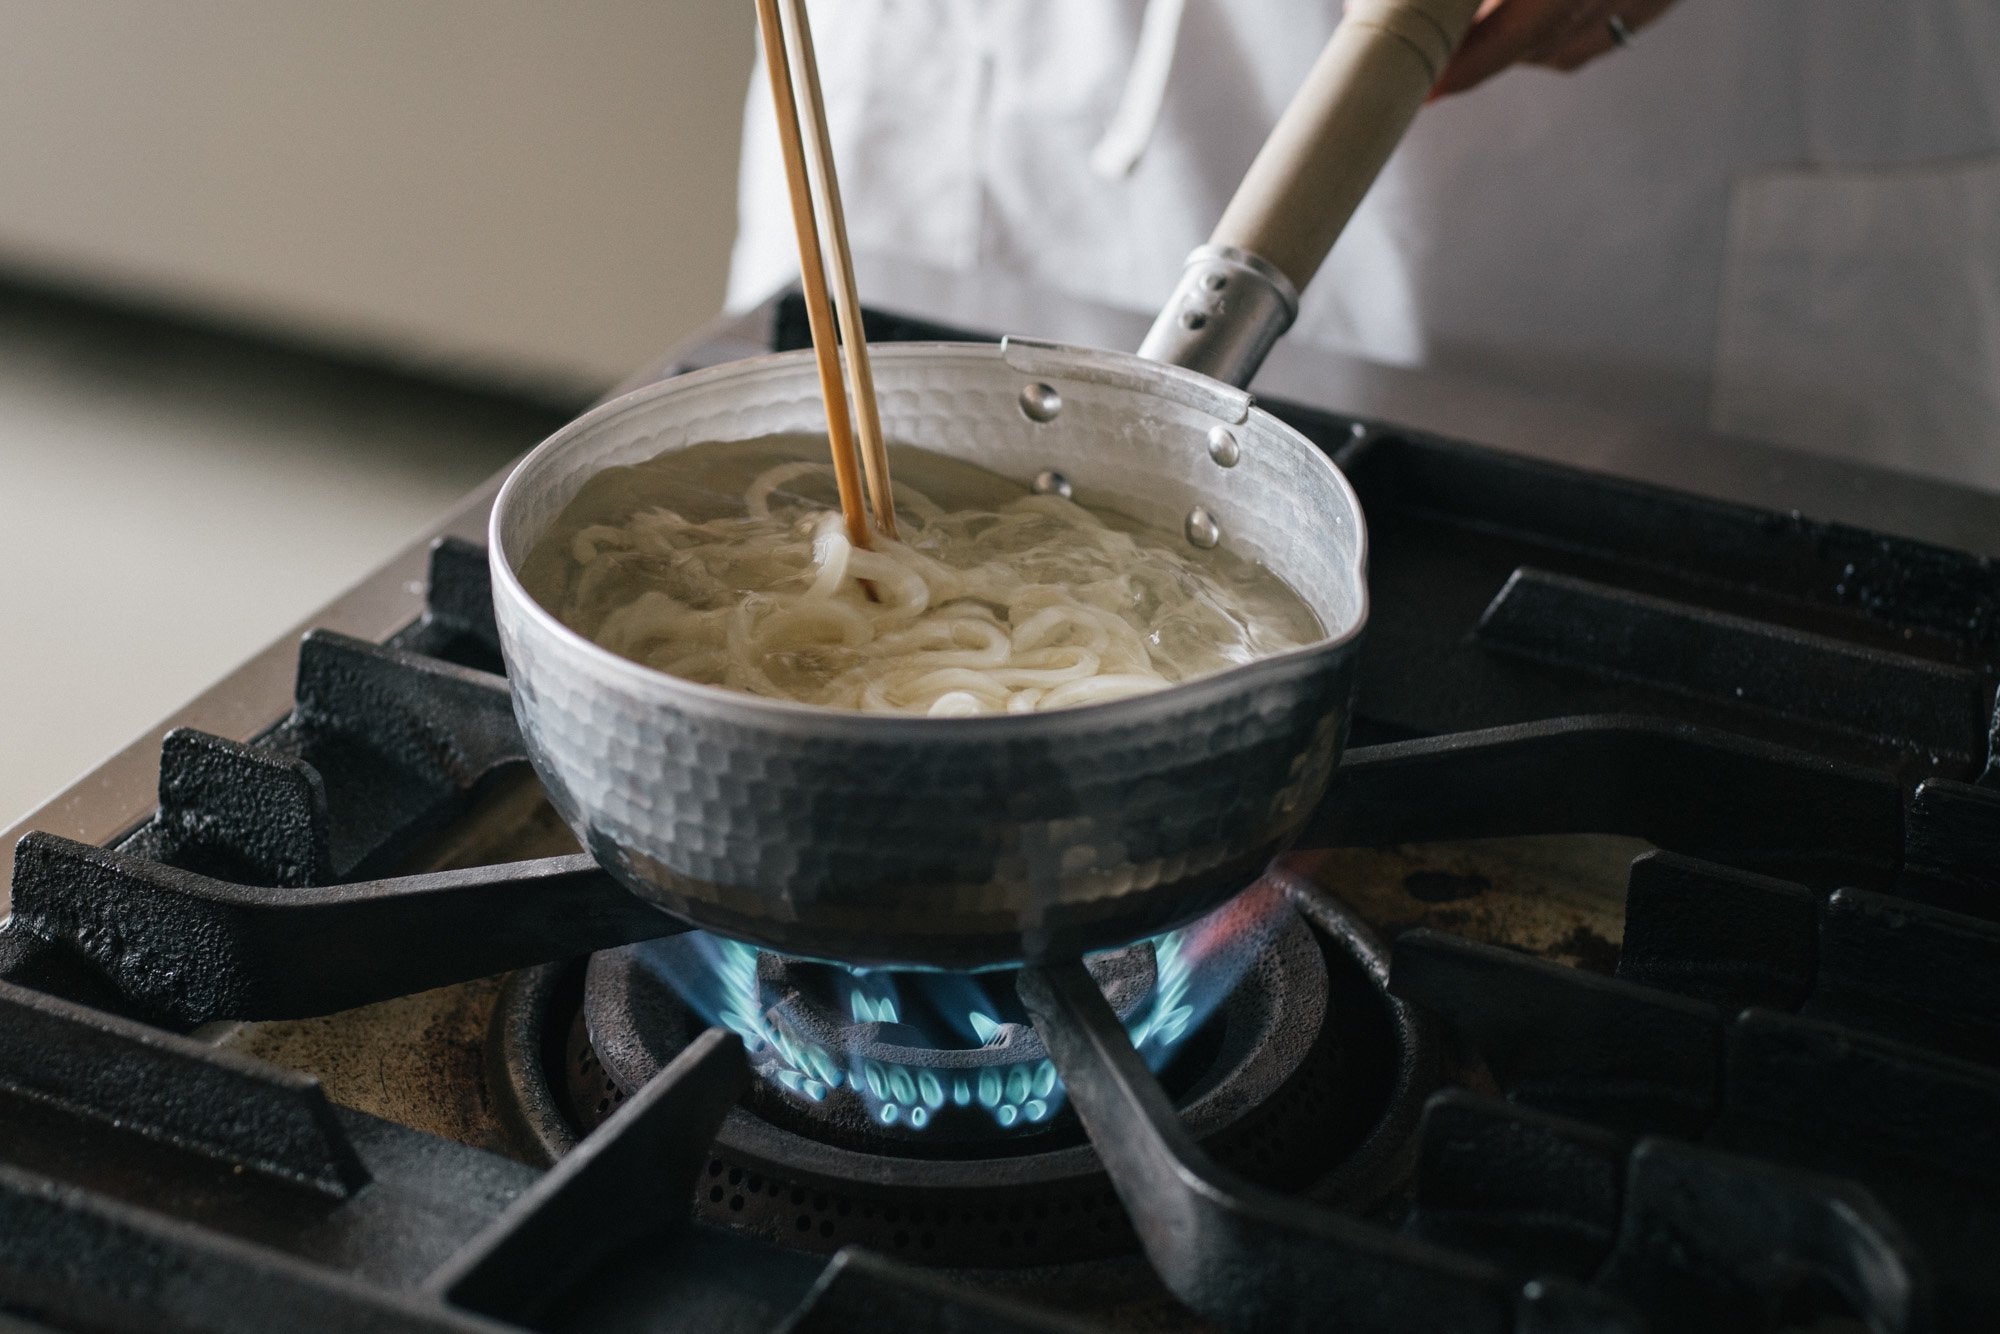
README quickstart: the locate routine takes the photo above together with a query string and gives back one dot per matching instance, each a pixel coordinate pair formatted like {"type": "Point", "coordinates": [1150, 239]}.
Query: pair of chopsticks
{"type": "Point", "coordinates": [808, 153]}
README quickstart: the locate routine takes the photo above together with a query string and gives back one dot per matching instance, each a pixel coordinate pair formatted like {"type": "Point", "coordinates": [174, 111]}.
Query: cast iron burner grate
{"type": "Point", "coordinates": [1782, 1106]}
{"type": "Point", "coordinates": [1306, 1074]}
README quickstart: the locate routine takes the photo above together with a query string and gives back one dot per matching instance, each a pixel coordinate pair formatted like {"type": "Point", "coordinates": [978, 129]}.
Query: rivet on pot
{"type": "Point", "coordinates": [1202, 530]}
{"type": "Point", "coordinates": [1222, 446]}
{"type": "Point", "coordinates": [1040, 402]}
{"type": "Point", "coordinates": [1049, 483]}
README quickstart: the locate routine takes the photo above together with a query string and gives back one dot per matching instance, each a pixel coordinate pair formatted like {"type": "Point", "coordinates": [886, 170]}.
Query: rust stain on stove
{"type": "Point", "coordinates": [1590, 950]}
{"type": "Point", "coordinates": [1444, 886]}
{"type": "Point", "coordinates": [1559, 897]}
{"type": "Point", "coordinates": [415, 1059]}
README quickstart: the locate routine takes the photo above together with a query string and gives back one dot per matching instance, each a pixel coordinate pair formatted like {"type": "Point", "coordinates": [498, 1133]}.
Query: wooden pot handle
{"type": "Point", "coordinates": [1353, 109]}
{"type": "Point", "coordinates": [1240, 291]}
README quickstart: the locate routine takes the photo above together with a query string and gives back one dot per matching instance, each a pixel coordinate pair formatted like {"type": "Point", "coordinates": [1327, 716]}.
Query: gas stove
{"type": "Point", "coordinates": [1642, 973]}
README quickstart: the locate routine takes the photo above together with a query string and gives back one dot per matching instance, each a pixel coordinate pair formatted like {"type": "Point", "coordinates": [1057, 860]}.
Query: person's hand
{"type": "Point", "coordinates": [1561, 34]}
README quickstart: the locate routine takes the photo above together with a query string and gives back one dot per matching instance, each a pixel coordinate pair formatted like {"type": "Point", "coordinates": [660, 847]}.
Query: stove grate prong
{"type": "Point", "coordinates": [1247, 1257]}
{"type": "Point", "coordinates": [629, 1181]}
{"type": "Point", "coordinates": [187, 949]}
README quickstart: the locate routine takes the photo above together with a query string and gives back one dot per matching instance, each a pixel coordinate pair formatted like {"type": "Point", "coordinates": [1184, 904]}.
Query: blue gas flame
{"type": "Point", "coordinates": [1194, 968]}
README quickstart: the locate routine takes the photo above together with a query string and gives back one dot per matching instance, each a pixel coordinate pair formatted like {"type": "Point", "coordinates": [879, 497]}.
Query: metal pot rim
{"type": "Point", "coordinates": [1134, 709]}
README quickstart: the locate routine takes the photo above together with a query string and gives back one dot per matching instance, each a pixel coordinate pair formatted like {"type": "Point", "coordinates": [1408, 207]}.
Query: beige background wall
{"type": "Point", "coordinates": [541, 190]}
{"type": "Point", "coordinates": [536, 187]}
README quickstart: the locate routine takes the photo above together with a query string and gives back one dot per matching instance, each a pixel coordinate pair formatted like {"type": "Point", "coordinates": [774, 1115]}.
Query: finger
{"type": "Point", "coordinates": [1478, 15]}
{"type": "Point", "coordinates": [1584, 40]}
{"type": "Point", "coordinates": [1592, 37]}
{"type": "Point", "coordinates": [1503, 36]}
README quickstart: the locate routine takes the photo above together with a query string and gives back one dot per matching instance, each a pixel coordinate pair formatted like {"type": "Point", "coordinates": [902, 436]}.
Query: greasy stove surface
{"type": "Point", "coordinates": [1642, 972]}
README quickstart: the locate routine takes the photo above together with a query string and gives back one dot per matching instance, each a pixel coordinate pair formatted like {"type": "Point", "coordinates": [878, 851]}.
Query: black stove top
{"type": "Point", "coordinates": [1757, 1092]}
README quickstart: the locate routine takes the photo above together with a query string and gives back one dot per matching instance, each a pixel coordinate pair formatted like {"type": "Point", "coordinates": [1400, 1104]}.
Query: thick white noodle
{"type": "Point", "coordinates": [1036, 605]}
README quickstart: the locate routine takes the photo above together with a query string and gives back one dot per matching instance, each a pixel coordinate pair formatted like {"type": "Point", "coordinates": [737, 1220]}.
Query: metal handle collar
{"type": "Point", "coordinates": [1225, 315]}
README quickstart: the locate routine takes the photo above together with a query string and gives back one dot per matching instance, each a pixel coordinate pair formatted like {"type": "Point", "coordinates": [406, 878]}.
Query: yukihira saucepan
{"type": "Point", "coordinates": [962, 843]}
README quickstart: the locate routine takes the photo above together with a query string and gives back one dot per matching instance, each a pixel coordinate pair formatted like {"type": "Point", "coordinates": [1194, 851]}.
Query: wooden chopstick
{"type": "Point", "coordinates": [819, 150]}
{"type": "Point", "coordinates": [812, 274]}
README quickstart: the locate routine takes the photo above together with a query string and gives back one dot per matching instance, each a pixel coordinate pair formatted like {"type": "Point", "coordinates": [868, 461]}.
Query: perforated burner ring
{"type": "Point", "coordinates": [1274, 1090]}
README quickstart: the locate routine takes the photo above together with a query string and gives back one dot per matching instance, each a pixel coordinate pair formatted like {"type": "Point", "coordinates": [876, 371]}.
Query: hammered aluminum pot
{"type": "Point", "coordinates": [974, 842]}
{"type": "Point", "coordinates": [953, 842]}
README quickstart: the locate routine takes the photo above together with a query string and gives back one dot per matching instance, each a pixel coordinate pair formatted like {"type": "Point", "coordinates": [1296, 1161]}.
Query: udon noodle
{"type": "Point", "coordinates": [1027, 603]}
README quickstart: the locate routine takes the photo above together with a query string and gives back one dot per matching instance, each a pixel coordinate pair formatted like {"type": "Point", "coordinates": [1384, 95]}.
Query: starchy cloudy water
{"type": "Point", "coordinates": [728, 564]}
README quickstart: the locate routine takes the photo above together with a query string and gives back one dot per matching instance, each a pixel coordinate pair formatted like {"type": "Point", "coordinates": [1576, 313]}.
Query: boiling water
{"type": "Point", "coordinates": [727, 564]}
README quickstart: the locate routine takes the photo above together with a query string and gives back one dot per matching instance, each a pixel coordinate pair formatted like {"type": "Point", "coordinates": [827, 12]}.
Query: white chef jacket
{"type": "Point", "coordinates": [1780, 218]}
